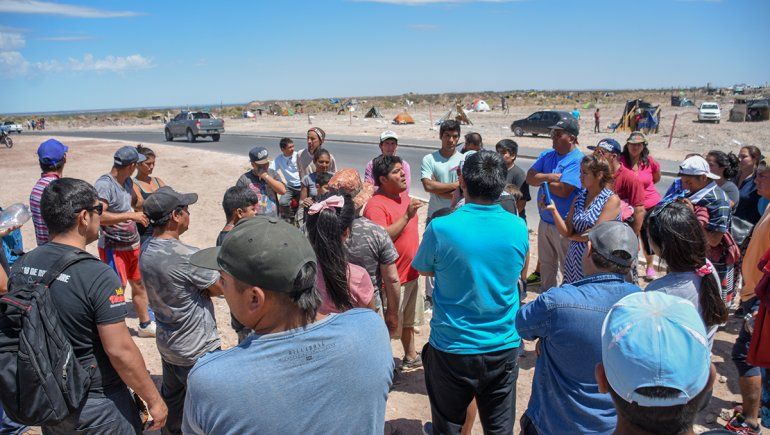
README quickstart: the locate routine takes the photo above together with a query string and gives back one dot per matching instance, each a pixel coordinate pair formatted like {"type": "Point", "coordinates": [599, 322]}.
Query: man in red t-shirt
{"type": "Point", "coordinates": [628, 188]}
{"type": "Point", "coordinates": [392, 209]}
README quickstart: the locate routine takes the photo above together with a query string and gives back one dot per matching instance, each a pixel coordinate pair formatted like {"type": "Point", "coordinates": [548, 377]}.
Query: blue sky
{"type": "Point", "coordinates": [112, 54]}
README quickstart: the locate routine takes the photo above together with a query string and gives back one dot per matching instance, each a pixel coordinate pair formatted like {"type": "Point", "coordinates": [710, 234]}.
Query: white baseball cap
{"type": "Point", "coordinates": [697, 165]}
{"type": "Point", "coordinates": [388, 134]}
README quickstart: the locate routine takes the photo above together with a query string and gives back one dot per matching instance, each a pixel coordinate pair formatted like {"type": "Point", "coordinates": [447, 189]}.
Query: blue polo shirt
{"type": "Point", "coordinates": [568, 165]}
{"type": "Point", "coordinates": [476, 254]}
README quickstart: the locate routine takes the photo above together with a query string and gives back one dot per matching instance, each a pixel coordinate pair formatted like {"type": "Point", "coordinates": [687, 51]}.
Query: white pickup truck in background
{"type": "Point", "coordinates": [710, 112]}
{"type": "Point", "coordinates": [11, 127]}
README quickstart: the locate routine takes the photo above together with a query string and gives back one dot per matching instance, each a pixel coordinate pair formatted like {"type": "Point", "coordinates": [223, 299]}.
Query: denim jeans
{"type": "Point", "coordinates": [173, 392]}
{"type": "Point", "coordinates": [107, 414]}
{"type": "Point", "coordinates": [10, 427]}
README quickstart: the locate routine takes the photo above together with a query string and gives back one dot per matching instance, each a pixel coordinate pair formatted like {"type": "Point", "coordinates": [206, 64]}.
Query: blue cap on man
{"type": "Point", "coordinates": [51, 152]}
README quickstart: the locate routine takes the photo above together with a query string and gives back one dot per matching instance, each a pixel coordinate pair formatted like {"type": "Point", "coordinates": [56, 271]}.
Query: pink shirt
{"type": "Point", "coordinates": [359, 285]}
{"type": "Point", "coordinates": [645, 175]}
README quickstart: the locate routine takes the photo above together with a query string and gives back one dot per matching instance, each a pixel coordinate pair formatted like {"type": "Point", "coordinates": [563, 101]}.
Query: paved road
{"type": "Point", "coordinates": [347, 154]}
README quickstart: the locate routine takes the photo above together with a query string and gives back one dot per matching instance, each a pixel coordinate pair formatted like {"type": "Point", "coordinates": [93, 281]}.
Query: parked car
{"type": "Point", "coordinates": [538, 122]}
{"type": "Point", "coordinates": [12, 127]}
{"type": "Point", "coordinates": [192, 125]}
{"type": "Point", "coordinates": [709, 111]}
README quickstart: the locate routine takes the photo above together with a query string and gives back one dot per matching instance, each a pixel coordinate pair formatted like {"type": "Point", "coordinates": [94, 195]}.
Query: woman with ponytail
{"type": "Point", "coordinates": [342, 285]}
{"type": "Point", "coordinates": [676, 236]}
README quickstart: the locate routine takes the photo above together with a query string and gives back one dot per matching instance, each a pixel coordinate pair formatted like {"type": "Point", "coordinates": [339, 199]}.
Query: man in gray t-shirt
{"type": "Point", "coordinates": [180, 294]}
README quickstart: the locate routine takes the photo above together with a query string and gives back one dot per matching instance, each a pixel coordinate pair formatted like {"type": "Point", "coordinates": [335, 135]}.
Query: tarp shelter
{"type": "Point", "coordinates": [373, 113]}
{"type": "Point", "coordinates": [461, 117]}
{"type": "Point", "coordinates": [588, 105]}
{"type": "Point", "coordinates": [750, 109]}
{"type": "Point", "coordinates": [648, 117]}
{"type": "Point", "coordinates": [479, 106]}
{"type": "Point", "coordinates": [403, 118]}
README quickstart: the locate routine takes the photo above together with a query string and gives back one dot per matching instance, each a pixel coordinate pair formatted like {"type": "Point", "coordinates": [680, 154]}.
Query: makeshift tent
{"type": "Point", "coordinates": [479, 106]}
{"type": "Point", "coordinates": [373, 113]}
{"type": "Point", "coordinates": [750, 109]}
{"type": "Point", "coordinates": [649, 116]}
{"type": "Point", "coordinates": [588, 105]}
{"type": "Point", "coordinates": [461, 117]}
{"type": "Point", "coordinates": [403, 118]}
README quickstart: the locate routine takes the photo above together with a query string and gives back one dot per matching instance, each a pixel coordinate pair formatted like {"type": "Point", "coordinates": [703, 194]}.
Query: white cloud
{"type": "Point", "coordinates": [109, 63]}
{"type": "Point", "coordinates": [66, 38]}
{"type": "Point", "coordinates": [11, 41]}
{"type": "Point", "coordinates": [13, 64]}
{"type": "Point", "coordinates": [49, 8]}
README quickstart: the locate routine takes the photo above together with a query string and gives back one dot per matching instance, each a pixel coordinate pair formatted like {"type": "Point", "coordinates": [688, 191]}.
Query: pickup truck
{"type": "Point", "coordinates": [709, 111]}
{"type": "Point", "coordinates": [193, 125]}
{"type": "Point", "coordinates": [11, 127]}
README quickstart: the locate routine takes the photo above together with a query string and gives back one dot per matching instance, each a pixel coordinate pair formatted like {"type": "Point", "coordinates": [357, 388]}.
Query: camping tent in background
{"type": "Point", "coordinates": [403, 118]}
{"type": "Point", "coordinates": [461, 117]}
{"type": "Point", "coordinates": [589, 105]}
{"type": "Point", "coordinates": [479, 106]}
{"type": "Point", "coordinates": [649, 120]}
{"type": "Point", "coordinates": [373, 113]}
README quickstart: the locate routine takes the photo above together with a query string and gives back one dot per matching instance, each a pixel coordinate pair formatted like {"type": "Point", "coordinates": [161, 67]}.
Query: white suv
{"type": "Point", "coordinates": [709, 112]}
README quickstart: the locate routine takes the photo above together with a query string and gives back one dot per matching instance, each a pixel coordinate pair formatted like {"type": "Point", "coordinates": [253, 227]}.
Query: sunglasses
{"type": "Point", "coordinates": [99, 209]}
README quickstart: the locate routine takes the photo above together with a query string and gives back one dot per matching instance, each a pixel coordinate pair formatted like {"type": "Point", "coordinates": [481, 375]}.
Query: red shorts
{"type": "Point", "coordinates": [124, 263]}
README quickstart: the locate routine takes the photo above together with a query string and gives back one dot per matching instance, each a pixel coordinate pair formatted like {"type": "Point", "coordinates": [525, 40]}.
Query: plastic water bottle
{"type": "Point", "coordinates": [13, 216]}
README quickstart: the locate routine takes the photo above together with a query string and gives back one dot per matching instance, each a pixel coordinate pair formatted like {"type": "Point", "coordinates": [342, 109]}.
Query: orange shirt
{"type": "Point", "coordinates": [760, 243]}
{"type": "Point", "coordinates": [383, 211]}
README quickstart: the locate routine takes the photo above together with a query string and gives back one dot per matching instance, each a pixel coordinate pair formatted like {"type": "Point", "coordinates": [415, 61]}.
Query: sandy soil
{"type": "Point", "coordinates": [689, 135]}
{"type": "Point", "coordinates": [209, 174]}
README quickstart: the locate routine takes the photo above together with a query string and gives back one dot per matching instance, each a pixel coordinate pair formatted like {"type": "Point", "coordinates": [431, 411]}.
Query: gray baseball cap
{"type": "Point", "coordinates": [611, 236]}
{"type": "Point", "coordinates": [127, 155]}
{"type": "Point", "coordinates": [262, 251]}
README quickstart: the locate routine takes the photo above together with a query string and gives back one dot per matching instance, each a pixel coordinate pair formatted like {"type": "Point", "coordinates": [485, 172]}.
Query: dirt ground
{"type": "Point", "coordinates": [689, 135]}
{"type": "Point", "coordinates": [209, 174]}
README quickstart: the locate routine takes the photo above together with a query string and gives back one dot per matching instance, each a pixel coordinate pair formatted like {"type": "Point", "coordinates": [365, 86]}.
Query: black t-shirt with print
{"type": "Point", "coordinates": [86, 294]}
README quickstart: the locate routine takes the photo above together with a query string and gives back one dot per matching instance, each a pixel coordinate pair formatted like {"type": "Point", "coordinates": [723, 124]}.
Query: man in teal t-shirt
{"type": "Point", "coordinates": [438, 171]}
{"type": "Point", "coordinates": [473, 346]}
{"type": "Point", "coordinates": [560, 169]}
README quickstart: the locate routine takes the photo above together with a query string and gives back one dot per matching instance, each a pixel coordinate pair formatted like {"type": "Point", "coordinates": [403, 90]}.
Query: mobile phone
{"type": "Point", "coordinates": [547, 192]}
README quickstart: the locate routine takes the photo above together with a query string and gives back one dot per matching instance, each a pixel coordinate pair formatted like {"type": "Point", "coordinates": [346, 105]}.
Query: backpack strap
{"type": "Point", "coordinates": [62, 264]}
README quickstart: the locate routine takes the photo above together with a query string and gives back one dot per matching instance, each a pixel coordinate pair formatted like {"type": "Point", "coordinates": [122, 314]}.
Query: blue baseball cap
{"type": "Point", "coordinates": [651, 339]}
{"type": "Point", "coordinates": [51, 152]}
{"type": "Point", "coordinates": [608, 144]}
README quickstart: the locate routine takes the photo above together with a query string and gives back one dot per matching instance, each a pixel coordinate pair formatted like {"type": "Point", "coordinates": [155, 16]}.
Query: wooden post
{"type": "Point", "coordinates": [671, 135]}
{"type": "Point", "coordinates": [350, 113]}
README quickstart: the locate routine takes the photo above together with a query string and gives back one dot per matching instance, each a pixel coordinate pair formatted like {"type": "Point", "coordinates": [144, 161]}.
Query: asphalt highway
{"type": "Point", "coordinates": [346, 154]}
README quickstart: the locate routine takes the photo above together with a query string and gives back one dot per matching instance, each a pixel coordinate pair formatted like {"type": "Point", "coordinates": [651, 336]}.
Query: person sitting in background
{"type": "Point", "coordinates": [144, 185]}
{"type": "Point", "coordinates": [656, 364]}
{"type": "Point", "coordinates": [725, 165]}
{"type": "Point", "coordinates": [306, 157]}
{"type": "Point", "coordinates": [285, 165]}
{"type": "Point", "coordinates": [388, 147]}
{"type": "Point", "coordinates": [567, 322]}
{"type": "Point", "coordinates": [52, 156]}
{"type": "Point", "coordinates": [594, 203]}
{"type": "Point", "coordinates": [342, 285]}
{"type": "Point", "coordinates": [263, 181]}
{"type": "Point", "coordinates": [677, 238]}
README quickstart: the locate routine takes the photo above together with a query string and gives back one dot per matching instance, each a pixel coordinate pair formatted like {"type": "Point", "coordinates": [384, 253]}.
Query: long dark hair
{"type": "Point", "coordinates": [596, 165]}
{"type": "Point", "coordinates": [675, 230]}
{"type": "Point", "coordinates": [325, 230]}
{"type": "Point", "coordinates": [643, 156]}
{"type": "Point", "coordinates": [727, 161]}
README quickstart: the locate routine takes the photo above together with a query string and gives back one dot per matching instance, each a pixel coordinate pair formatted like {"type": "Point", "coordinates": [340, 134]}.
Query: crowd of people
{"type": "Point", "coordinates": [321, 268]}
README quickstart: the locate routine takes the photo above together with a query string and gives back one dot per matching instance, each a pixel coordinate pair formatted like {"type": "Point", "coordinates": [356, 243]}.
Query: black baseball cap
{"type": "Point", "coordinates": [258, 155]}
{"type": "Point", "coordinates": [567, 123]}
{"type": "Point", "coordinates": [164, 201]}
{"type": "Point", "coordinates": [262, 251]}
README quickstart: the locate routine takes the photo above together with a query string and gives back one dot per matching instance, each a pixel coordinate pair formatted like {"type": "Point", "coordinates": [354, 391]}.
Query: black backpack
{"type": "Point", "coordinates": [41, 380]}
